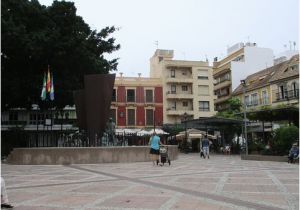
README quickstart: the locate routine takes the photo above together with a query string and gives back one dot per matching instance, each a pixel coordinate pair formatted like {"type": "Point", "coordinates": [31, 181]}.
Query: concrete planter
{"type": "Point", "coordinates": [265, 158]}
{"type": "Point", "coordinates": [83, 155]}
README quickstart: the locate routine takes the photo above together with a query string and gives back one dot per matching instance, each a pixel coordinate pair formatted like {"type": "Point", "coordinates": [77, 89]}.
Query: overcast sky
{"type": "Point", "coordinates": [194, 29]}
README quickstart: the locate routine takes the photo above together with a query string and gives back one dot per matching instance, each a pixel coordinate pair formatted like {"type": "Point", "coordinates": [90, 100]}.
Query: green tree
{"type": "Point", "coordinates": [234, 107]}
{"type": "Point", "coordinates": [284, 137]}
{"type": "Point", "coordinates": [35, 36]}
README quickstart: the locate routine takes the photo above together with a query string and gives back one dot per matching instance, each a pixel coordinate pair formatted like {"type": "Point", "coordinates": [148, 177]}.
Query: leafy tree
{"type": "Point", "coordinates": [35, 36]}
{"type": "Point", "coordinates": [234, 105]}
{"type": "Point", "coordinates": [284, 137]}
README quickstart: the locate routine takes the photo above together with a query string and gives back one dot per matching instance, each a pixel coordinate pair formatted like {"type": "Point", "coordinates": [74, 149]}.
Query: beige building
{"type": "Point", "coordinates": [187, 86]}
{"type": "Point", "coordinates": [241, 60]}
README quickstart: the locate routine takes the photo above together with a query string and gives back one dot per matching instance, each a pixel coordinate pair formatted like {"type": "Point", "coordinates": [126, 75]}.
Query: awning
{"type": "Point", "coordinates": [194, 134]}
{"type": "Point", "coordinates": [144, 133]}
{"type": "Point", "coordinates": [158, 131]}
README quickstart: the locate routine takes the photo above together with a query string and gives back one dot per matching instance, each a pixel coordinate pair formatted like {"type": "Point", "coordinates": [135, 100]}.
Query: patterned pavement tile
{"type": "Point", "coordinates": [194, 204]}
{"type": "Point", "coordinates": [23, 207]}
{"type": "Point", "coordinates": [66, 200]}
{"type": "Point", "coordinates": [222, 182]}
{"type": "Point", "coordinates": [134, 201]}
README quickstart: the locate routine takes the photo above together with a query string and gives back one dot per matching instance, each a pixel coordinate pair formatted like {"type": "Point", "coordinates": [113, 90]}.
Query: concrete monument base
{"type": "Point", "coordinates": [83, 155]}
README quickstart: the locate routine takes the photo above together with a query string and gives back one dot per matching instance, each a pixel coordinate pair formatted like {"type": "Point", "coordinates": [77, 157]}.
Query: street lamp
{"type": "Point", "coordinates": [185, 148]}
{"type": "Point", "coordinates": [243, 82]}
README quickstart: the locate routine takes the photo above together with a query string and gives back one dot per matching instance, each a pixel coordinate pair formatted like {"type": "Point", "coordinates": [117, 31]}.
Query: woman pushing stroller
{"type": "Point", "coordinates": [154, 148]}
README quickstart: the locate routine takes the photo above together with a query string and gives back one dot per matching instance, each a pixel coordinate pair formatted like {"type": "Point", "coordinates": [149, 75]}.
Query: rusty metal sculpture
{"type": "Point", "coordinates": [93, 105]}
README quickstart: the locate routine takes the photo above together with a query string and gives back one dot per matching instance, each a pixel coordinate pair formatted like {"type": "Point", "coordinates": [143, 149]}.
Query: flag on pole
{"type": "Point", "coordinates": [48, 81]}
{"type": "Point", "coordinates": [43, 94]}
{"type": "Point", "coordinates": [52, 89]}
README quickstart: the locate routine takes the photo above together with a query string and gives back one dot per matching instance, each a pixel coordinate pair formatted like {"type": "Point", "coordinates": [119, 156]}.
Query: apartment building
{"type": "Point", "coordinates": [187, 87]}
{"type": "Point", "coordinates": [273, 86]}
{"type": "Point", "coordinates": [241, 60]}
{"type": "Point", "coordinates": [137, 102]}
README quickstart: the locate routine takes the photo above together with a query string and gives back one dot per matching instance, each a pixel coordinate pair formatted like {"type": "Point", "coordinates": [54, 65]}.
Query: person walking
{"type": "Point", "coordinates": [205, 146]}
{"type": "Point", "coordinates": [154, 148]}
{"type": "Point", "coordinates": [293, 154]}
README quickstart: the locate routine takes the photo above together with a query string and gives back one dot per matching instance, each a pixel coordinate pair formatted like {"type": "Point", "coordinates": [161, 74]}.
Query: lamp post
{"type": "Point", "coordinates": [243, 82]}
{"type": "Point", "coordinates": [185, 148]}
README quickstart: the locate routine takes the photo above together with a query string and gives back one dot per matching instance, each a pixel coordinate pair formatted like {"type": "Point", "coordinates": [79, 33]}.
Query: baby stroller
{"type": "Point", "coordinates": [164, 157]}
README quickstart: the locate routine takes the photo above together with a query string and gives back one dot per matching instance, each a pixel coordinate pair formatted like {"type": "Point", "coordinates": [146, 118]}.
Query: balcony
{"type": "Point", "coordinates": [222, 98]}
{"type": "Point", "coordinates": [223, 84]}
{"type": "Point", "coordinates": [179, 80]}
{"type": "Point", "coordinates": [179, 95]}
{"type": "Point", "coordinates": [174, 111]}
{"type": "Point", "coordinates": [287, 95]}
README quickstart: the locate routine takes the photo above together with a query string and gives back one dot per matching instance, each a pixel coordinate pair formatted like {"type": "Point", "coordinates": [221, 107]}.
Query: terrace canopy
{"type": "Point", "coordinates": [194, 134]}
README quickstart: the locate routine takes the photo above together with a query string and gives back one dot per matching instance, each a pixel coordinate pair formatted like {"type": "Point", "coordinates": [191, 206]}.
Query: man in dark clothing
{"type": "Point", "coordinates": [205, 147]}
{"type": "Point", "coordinates": [293, 154]}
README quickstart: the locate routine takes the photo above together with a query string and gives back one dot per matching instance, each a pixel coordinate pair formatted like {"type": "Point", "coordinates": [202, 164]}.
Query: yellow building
{"type": "Point", "coordinates": [187, 87]}
{"type": "Point", "coordinates": [273, 86]}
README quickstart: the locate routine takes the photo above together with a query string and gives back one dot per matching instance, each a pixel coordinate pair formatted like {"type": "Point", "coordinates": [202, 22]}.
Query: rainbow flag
{"type": "Point", "coordinates": [48, 85]}
{"type": "Point", "coordinates": [44, 94]}
{"type": "Point", "coordinates": [52, 90]}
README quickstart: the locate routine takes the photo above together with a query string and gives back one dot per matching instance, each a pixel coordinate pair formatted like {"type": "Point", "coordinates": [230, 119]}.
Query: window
{"type": "Point", "coordinates": [204, 106]}
{"type": "Point", "coordinates": [173, 73]}
{"type": "Point", "coordinates": [203, 77]}
{"type": "Point", "coordinates": [130, 95]}
{"type": "Point", "coordinates": [185, 103]}
{"type": "Point", "coordinates": [149, 96]}
{"type": "Point", "coordinates": [295, 89]}
{"type": "Point", "coordinates": [184, 88]}
{"type": "Point", "coordinates": [281, 92]}
{"type": "Point", "coordinates": [173, 89]}
{"type": "Point", "coordinates": [224, 92]}
{"type": "Point", "coordinates": [32, 119]}
{"type": "Point", "coordinates": [295, 67]}
{"type": "Point", "coordinates": [13, 116]}
{"type": "Point", "coordinates": [265, 99]}
{"type": "Point", "coordinates": [173, 105]}
{"type": "Point", "coordinates": [203, 90]}
{"type": "Point", "coordinates": [149, 117]}
{"type": "Point", "coordinates": [130, 117]}
{"type": "Point", "coordinates": [254, 99]}
{"type": "Point", "coordinates": [114, 96]}
{"type": "Point", "coordinates": [247, 100]}
{"type": "Point", "coordinates": [225, 77]}
{"type": "Point", "coordinates": [202, 74]}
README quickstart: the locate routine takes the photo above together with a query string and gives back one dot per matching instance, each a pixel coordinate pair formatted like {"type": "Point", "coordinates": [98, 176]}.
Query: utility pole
{"type": "Point", "coordinates": [243, 82]}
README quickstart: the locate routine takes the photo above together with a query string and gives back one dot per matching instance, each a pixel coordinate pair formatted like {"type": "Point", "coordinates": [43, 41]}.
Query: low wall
{"type": "Point", "coordinates": [265, 158]}
{"type": "Point", "coordinates": [83, 155]}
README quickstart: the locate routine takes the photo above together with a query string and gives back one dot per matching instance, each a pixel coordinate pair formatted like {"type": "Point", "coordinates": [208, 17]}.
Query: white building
{"type": "Point", "coordinates": [241, 61]}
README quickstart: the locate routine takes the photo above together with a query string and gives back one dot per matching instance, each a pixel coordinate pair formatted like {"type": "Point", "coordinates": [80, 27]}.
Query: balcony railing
{"type": "Point", "coordinates": [286, 95]}
{"type": "Point", "coordinates": [204, 109]}
{"type": "Point", "coordinates": [221, 81]}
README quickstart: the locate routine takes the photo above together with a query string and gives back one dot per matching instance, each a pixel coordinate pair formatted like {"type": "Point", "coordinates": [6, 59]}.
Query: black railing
{"type": "Point", "coordinates": [204, 109]}
{"type": "Point", "coordinates": [287, 95]}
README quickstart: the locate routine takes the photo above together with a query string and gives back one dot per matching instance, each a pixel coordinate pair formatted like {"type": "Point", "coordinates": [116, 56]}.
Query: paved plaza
{"type": "Point", "coordinates": [221, 182]}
